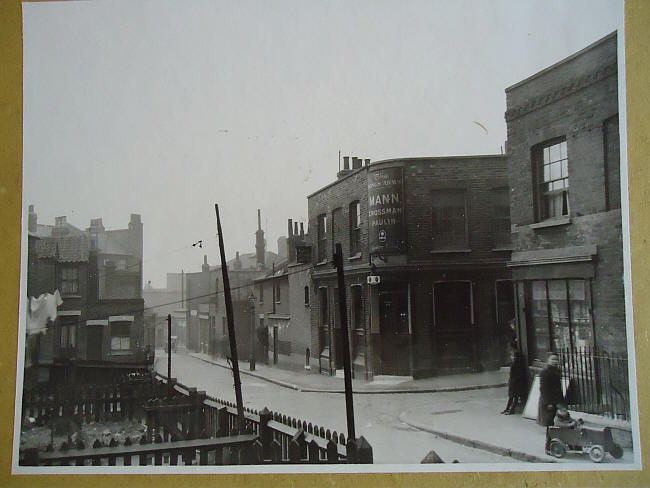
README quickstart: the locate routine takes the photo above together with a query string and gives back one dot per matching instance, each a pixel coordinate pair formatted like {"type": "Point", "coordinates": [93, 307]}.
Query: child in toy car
{"type": "Point", "coordinates": [568, 435]}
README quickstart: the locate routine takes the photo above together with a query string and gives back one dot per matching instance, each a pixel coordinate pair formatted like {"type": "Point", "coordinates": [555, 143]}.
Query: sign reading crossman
{"type": "Point", "coordinates": [386, 209]}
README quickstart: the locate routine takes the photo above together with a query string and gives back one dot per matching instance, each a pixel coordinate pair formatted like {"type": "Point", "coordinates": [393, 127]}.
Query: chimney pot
{"type": "Point", "coordinates": [290, 228]}
{"type": "Point", "coordinates": [367, 162]}
{"type": "Point", "coordinates": [346, 162]}
{"type": "Point", "coordinates": [302, 230]}
{"type": "Point", "coordinates": [295, 228]}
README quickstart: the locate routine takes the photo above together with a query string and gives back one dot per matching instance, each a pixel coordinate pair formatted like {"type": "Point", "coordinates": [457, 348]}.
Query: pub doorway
{"type": "Point", "coordinates": [395, 333]}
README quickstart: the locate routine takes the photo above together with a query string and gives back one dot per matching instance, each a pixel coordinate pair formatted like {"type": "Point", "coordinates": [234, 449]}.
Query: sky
{"type": "Point", "coordinates": [164, 108]}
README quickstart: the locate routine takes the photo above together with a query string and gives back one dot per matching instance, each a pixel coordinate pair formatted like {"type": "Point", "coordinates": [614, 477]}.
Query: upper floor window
{"type": "Point", "coordinates": [276, 286]}
{"type": "Point", "coordinates": [322, 237]}
{"type": "Point", "coordinates": [69, 280]}
{"type": "Point", "coordinates": [355, 228]}
{"type": "Point", "coordinates": [449, 220]}
{"type": "Point", "coordinates": [552, 187]}
{"type": "Point", "coordinates": [261, 293]}
{"type": "Point", "coordinates": [306, 295]}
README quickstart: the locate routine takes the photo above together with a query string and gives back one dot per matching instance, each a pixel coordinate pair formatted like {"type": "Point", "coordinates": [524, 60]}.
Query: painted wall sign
{"type": "Point", "coordinates": [386, 210]}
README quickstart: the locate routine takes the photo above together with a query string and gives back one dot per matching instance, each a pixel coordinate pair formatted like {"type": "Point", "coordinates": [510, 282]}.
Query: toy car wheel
{"type": "Point", "coordinates": [557, 448]}
{"type": "Point", "coordinates": [616, 451]}
{"type": "Point", "coordinates": [597, 454]}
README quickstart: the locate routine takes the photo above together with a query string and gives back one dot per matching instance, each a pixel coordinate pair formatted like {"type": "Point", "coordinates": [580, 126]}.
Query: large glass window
{"type": "Point", "coordinates": [449, 220]}
{"type": "Point", "coordinates": [560, 316]}
{"type": "Point", "coordinates": [553, 180]}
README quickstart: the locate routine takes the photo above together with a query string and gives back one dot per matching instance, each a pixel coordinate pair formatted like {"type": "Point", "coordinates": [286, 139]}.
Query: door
{"type": "Point", "coordinates": [395, 335]}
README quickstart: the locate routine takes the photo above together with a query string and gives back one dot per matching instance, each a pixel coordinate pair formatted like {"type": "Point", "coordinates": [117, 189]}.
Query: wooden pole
{"type": "Point", "coordinates": [169, 348]}
{"type": "Point", "coordinates": [231, 327]}
{"type": "Point", "coordinates": [349, 407]}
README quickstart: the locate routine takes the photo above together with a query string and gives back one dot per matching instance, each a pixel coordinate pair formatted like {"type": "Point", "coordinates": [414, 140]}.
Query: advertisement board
{"type": "Point", "coordinates": [386, 210]}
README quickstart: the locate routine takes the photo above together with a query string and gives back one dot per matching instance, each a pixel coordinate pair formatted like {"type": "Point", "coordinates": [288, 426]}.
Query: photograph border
{"type": "Point", "coordinates": [637, 41]}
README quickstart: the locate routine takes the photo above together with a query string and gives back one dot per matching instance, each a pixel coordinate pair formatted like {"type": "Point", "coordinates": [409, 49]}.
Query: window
{"type": "Point", "coordinates": [120, 336]}
{"type": "Point", "coordinates": [261, 293]}
{"type": "Point", "coordinates": [337, 215]}
{"type": "Point", "coordinates": [561, 317]}
{"type": "Point", "coordinates": [323, 319]}
{"type": "Point", "coordinates": [552, 170]}
{"type": "Point", "coordinates": [453, 304]}
{"type": "Point", "coordinates": [322, 237]}
{"type": "Point", "coordinates": [449, 220]}
{"type": "Point", "coordinates": [276, 286]}
{"type": "Point", "coordinates": [357, 322]}
{"type": "Point", "coordinates": [355, 228]}
{"type": "Point", "coordinates": [69, 280]}
{"type": "Point", "coordinates": [68, 336]}
{"type": "Point", "coordinates": [306, 296]}
{"type": "Point", "coordinates": [501, 213]}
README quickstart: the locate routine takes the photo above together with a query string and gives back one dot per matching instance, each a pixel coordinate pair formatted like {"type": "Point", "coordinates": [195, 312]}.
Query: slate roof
{"type": "Point", "coordinates": [72, 249]}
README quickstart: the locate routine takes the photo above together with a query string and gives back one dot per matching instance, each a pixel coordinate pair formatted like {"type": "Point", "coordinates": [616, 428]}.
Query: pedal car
{"type": "Point", "coordinates": [582, 440]}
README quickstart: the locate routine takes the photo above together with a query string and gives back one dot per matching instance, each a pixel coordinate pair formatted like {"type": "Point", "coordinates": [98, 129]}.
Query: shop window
{"type": "Point", "coordinates": [551, 166]}
{"type": "Point", "coordinates": [120, 337]}
{"type": "Point", "coordinates": [501, 215]}
{"type": "Point", "coordinates": [561, 317]}
{"type": "Point", "coordinates": [69, 280]}
{"type": "Point", "coordinates": [355, 228]}
{"type": "Point", "coordinates": [449, 220]}
{"type": "Point", "coordinates": [322, 237]}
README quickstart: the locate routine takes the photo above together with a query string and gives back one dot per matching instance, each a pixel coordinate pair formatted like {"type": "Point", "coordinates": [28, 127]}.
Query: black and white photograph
{"type": "Point", "coordinates": [324, 237]}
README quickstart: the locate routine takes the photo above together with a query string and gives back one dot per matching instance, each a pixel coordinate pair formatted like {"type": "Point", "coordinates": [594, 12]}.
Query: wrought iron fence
{"type": "Point", "coordinates": [598, 382]}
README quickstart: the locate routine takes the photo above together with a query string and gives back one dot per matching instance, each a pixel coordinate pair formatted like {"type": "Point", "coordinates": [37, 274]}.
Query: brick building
{"type": "Point", "coordinates": [282, 306]}
{"type": "Point", "coordinates": [99, 326]}
{"type": "Point", "coordinates": [563, 157]}
{"type": "Point", "coordinates": [435, 232]}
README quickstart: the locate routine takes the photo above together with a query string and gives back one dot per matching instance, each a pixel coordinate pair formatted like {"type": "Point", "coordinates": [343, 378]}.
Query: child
{"type": "Point", "coordinates": [517, 383]}
{"type": "Point", "coordinates": [563, 419]}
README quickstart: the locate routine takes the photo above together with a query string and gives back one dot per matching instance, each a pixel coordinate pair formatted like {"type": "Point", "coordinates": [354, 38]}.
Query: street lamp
{"type": "Point", "coordinates": [251, 359]}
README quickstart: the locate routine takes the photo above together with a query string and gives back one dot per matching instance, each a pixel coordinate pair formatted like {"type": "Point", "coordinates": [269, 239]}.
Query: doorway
{"type": "Point", "coordinates": [395, 333]}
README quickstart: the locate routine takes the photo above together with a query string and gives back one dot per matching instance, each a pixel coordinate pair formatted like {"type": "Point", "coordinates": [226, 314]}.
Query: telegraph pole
{"type": "Point", "coordinates": [349, 407]}
{"type": "Point", "coordinates": [231, 327]}
{"type": "Point", "coordinates": [169, 349]}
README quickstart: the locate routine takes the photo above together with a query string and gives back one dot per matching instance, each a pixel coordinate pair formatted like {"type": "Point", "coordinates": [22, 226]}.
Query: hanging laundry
{"type": "Point", "coordinates": [40, 310]}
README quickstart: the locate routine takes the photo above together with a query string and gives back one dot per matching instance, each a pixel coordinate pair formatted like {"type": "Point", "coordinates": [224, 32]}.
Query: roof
{"type": "Point", "coordinates": [73, 249]}
{"type": "Point", "coordinates": [46, 230]}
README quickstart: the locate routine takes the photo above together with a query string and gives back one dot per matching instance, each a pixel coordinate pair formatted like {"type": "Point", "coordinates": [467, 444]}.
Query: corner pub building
{"type": "Point", "coordinates": [436, 233]}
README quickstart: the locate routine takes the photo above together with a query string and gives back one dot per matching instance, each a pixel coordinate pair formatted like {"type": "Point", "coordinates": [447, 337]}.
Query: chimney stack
{"type": "Point", "coordinates": [32, 220]}
{"type": "Point", "coordinates": [346, 162]}
{"type": "Point", "coordinates": [295, 228]}
{"type": "Point", "coordinates": [367, 162]}
{"type": "Point", "coordinates": [260, 244]}
{"type": "Point", "coordinates": [289, 228]}
{"type": "Point", "coordinates": [302, 230]}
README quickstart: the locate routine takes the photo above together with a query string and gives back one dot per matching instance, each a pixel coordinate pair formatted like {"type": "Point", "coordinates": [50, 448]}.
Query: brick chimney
{"type": "Point", "coordinates": [346, 167]}
{"type": "Point", "coordinates": [260, 244]}
{"type": "Point", "coordinates": [32, 220]}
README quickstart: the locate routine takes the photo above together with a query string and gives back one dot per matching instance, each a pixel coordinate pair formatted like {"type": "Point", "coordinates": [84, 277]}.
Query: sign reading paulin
{"type": "Point", "coordinates": [386, 209]}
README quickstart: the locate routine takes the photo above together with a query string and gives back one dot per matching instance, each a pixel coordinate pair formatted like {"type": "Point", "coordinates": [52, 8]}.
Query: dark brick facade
{"type": "Point", "coordinates": [409, 276]}
{"type": "Point", "coordinates": [574, 100]}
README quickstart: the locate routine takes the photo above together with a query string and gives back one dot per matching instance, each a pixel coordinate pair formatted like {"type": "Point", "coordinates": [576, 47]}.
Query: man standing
{"type": "Point", "coordinates": [550, 391]}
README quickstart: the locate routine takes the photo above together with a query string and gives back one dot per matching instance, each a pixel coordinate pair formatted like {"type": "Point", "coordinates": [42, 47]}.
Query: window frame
{"type": "Point", "coordinates": [542, 196]}
{"type": "Point", "coordinates": [444, 244]}
{"type": "Point", "coordinates": [65, 281]}
{"type": "Point", "coordinates": [321, 237]}
{"type": "Point", "coordinates": [355, 227]}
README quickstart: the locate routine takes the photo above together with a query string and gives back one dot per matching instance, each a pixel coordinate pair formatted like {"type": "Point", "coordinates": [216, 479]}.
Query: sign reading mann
{"type": "Point", "coordinates": [386, 209]}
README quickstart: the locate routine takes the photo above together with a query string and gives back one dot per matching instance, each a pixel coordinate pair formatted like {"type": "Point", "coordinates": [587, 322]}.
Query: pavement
{"type": "Point", "coordinates": [468, 414]}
